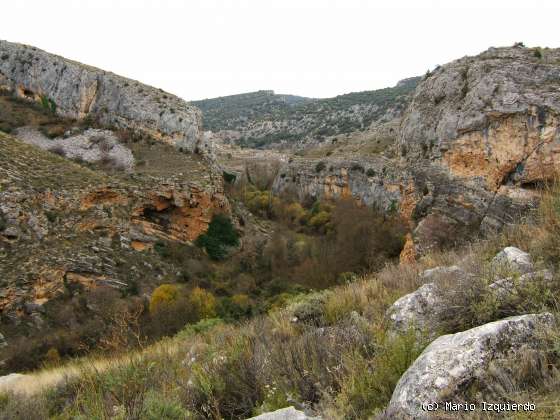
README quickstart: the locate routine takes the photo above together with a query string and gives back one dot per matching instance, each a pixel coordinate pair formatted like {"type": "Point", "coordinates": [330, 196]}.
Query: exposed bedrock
{"type": "Point", "coordinates": [478, 136]}
{"type": "Point", "coordinates": [78, 91]}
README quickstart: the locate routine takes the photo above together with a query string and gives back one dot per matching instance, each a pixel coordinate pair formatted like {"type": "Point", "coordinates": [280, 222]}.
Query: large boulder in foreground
{"type": "Point", "coordinates": [448, 365]}
{"type": "Point", "coordinates": [289, 413]}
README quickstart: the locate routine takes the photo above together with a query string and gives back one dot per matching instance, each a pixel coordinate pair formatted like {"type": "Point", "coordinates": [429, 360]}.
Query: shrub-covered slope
{"type": "Point", "coordinates": [337, 353]}
{"type": "Point", "coordinates": [263, 118]}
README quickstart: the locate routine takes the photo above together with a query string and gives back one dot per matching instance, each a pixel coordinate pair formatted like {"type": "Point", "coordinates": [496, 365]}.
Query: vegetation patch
{"type": "Point", "coordinates": [220, 236]}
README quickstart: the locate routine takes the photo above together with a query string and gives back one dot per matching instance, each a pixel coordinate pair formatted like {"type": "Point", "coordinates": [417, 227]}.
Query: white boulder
{"type": "Point", "coordinates": [452, 361]}
{"type": "Point", "coordinates": [289, 413]}
{"type": "Point", "coordinates": [513, 258]}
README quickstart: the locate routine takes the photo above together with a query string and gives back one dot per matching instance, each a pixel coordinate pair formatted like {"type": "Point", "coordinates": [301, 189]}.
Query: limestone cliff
{"type": "Point", "coordinates": [373, 180]}
{"type": "Point", "coordinates": [78, 91]}
{"type": "Point", "coordinates": [489, 116]}
{"type": "Point", "coordinates": [478, 136]}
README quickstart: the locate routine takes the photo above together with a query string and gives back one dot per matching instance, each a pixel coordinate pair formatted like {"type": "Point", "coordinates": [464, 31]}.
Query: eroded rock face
{"type": "Point", "coordinates": [78, 91]}
{"type": "Point", "coordinates": [64, 226]}
{"type": "Point", "coordinates": [498, 102]}
{"type": "Point", "coordinates": [490, 125]}
{"type": "Point", "coordinates": [476, 138]}
{"type": "Point", "coordinates": [374, 181]}
{"type": "Point", "coordinates": [449, 364]}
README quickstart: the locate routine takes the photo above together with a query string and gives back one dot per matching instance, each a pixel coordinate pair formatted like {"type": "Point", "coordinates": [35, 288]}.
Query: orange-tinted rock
{"type": "Point", "coordinates": [408, 253]}
{"type": "Point", "coordinates": [140, 246]}
{"type": "Point", "coordinates": [102, 197]}
{"type": "Point", "coordinates": [177, 214]}
{"type": "Point", "coordinates": [511, 144]}
{"type": "Point", "coordinates": [408, 203]}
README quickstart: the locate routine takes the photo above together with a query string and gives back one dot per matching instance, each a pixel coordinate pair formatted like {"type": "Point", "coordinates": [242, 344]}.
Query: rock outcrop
{"type": "Point", "coordinates": [421, 309]}
{"type": "Point", "coordinates": [492, 116]}
{"type": "Point", "coordinates": [489, 124]}
{"type": "Point", "coordinates": [93, 146]}
{"type": "Point", "coordinates": [478, 136]}
{"type": "Point", "coordinates": [424, 309]}
{"type": "Point", "coordinates": [79, 91]}
{"type": "Point", "coordinates": [63, 224]}
{"type": "Point", "coordinates": [448, 365]}
{"type": "Point", "coordinates": [374, 181]}
{"type": "Point", "coordinates": [508, 287]}
{"type": "Point", "coordinates": [7, 381]}
{"type": "Point", "coordinates": [514, 259]}
{"type": "Point", "coordinates": [289, 413]}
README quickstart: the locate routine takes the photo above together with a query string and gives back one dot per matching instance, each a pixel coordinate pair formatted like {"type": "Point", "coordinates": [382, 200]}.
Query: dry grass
{"type": "Point", "coordinates": [328, 350]}
{"type": "Point", "coordinates": [236, 371]}
{"type": "Point", "coordinates": [36, 382]}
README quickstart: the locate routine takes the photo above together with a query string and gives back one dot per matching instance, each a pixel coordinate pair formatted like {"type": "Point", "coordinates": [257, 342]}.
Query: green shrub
{"type": "Point", "coordinates": [163, 296]}
{"type": "Point", "coordinates": [369, 380]}
{"type": "Point", "coordinates": [220, 235]}
{"type": "Point", "coordinates": [19, 407]}
{"type": "Point", "coordinates": [202, 304]}
{"type": "Point", "coordinates": [537, 53]}
{"type": "Point", "coordinates": [357, 168]}
{"type": "Point", "coordinates": [229, 178]}
{"type": "Point", "coordinates": [202, 326]}
{"type": "Point", "coordinates": [162, 249]}
{"type": "Point", "coordinates": [51, 216]}
{"type": "Point", "coordinates": [320, 166]}
{"type": "Point", "coordinates": [320, 219]}
{"type": "Point", "coordinates": [157, 407]}
{"type": "Point", "coordinates": [48, 104]}
{"type": "Point", "coordinates": [225, 381]}
{"type": "Point", "coordinates": [122, 388]}
{"type": "Point", "coordinates": [262, 203]}
{"type": "Point", "coordinates": [236, 307]}
{"type": "Point", "coordinates": [370, 172]}
{"type": "Point", "coordinates": [311, 310]}
{"type": "Point", "coordinates": [171, 308]}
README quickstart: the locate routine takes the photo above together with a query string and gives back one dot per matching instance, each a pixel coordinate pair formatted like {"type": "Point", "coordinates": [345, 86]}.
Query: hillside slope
{"type": "Point", "coordinates": [262, 119]}
{"type": "Point", "coordinates": [66, 230]}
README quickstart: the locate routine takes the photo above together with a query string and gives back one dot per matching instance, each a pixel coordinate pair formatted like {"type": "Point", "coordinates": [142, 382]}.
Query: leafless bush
{"type": "Point", "coordinates": [104, 144]}
{"type": "Point", "coordinates": [124, 331]}
{"type": "Point", "coordinates": [111, 163]}
{"type": "Point", "coordinates": [58, 150]}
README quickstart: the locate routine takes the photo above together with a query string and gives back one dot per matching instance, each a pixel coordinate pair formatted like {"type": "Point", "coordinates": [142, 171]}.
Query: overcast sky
{"type": "Point", "coordinates": [318, 48]}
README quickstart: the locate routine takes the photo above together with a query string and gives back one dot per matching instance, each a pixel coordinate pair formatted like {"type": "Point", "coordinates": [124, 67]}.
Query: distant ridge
{"type": "Point", "coordinates": [264, 117]}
